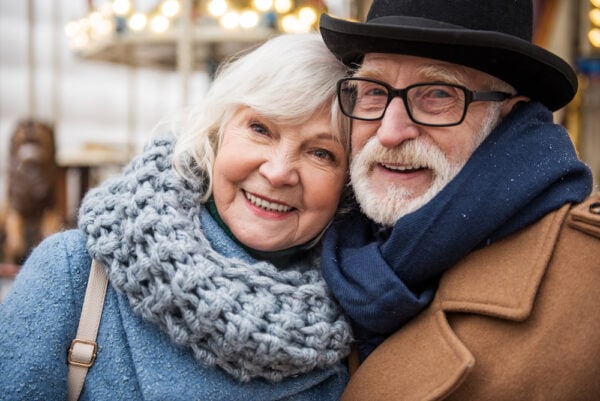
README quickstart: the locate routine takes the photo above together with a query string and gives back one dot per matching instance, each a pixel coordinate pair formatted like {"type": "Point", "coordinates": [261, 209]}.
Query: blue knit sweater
{"type": "Point", "coordinates": [136, 361]}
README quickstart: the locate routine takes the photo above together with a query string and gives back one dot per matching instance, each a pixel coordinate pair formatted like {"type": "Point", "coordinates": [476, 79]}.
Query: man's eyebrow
{"type": "Point", "coordinates": [442, 73]}
{"type": "Point", "coordinates": [425, 73]}
{"type": "Point", "coordinates": [369, 72]}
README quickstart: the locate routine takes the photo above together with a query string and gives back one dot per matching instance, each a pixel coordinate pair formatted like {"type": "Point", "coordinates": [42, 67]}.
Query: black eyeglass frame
{"type": "Point", "coordinates": [470, 97]}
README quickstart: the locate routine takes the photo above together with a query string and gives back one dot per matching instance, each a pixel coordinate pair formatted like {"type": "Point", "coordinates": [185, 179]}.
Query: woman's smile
{"type": "Point", "coordinates": [277, 185]}
{"type": "Point", "coordinates": [267, 205]}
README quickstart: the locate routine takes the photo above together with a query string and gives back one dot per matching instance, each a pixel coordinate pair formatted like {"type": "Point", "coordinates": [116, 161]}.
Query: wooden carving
{"type": "Point", "coordinates": [31, 214]}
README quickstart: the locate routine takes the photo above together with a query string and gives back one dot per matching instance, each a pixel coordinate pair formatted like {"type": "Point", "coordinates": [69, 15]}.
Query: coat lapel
{"type": "Point", "coordinates": [420, 362]}
{"type": "Point", "coordinates": [426, 360]}
{"type": "Point", "coordinates": [502, 280]}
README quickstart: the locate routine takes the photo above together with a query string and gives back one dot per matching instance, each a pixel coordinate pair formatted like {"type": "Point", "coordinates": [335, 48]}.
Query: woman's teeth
{"type": "Point", "coordinates": [266, 205]}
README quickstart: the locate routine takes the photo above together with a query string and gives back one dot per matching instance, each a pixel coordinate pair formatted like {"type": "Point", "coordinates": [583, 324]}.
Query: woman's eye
{"type": "Point", "coordinates": [259, 128]}
{"type": "Point", "coordinates": [323, 154]}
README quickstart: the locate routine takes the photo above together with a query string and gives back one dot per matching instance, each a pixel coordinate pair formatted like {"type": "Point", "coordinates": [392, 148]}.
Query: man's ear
{"type": "Point", "coordinates": [510, 104]}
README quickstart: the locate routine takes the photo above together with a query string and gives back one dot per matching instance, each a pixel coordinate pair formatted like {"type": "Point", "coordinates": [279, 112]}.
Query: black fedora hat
{"type": "Point", "coordinates": [493, 36]}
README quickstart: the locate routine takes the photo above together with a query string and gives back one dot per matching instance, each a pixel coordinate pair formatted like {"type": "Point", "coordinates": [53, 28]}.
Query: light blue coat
{"type": "Point", "coordinates": [136, 361]}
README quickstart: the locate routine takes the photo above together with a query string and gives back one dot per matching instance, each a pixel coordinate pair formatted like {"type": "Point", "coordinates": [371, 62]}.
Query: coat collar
{"type": "Point", "coordinates": [501, 280]}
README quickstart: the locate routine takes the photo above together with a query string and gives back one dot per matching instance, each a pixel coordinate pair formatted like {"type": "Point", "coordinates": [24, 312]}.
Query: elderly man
{"type": "Point", "coordinates": [473, 271]}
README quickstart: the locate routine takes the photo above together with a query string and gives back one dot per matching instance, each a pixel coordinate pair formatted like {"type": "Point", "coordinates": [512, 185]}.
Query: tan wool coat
{"type": "Point", "coordinates": [518, 320]}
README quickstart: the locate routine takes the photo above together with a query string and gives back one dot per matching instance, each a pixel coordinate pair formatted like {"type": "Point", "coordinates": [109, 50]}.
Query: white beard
{"type": "Point", "coordinates": [385, 207]}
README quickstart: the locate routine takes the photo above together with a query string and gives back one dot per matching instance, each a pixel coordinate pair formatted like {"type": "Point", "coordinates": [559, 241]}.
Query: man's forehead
{"type": "Point", "coordinates": [382, 64]}
{"type": "Point", "coordinates": [381, 60]}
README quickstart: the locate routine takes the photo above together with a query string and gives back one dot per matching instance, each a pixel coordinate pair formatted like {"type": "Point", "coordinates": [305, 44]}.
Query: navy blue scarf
{"type": "Point", "coordinates": [526, 168]}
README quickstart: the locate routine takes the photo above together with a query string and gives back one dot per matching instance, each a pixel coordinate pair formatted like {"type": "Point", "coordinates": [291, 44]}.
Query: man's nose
{"type": "Point", "coordinates": [396, 125]}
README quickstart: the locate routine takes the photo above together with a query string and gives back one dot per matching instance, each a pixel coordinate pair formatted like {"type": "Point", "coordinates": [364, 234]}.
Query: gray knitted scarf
{"type": "Point", "coordinates": [251, 319]}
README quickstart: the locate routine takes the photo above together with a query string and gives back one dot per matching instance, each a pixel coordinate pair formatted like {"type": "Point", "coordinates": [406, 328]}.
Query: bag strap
{"type": "Point", "coordinates": [83, 348]}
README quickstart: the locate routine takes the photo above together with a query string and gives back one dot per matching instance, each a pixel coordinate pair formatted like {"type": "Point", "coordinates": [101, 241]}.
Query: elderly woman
{"type": "Point", "coordinates": [210, 243]}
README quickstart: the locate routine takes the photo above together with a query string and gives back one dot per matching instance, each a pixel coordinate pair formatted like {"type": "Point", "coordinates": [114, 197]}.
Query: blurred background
{"type": "Point", "coordinates": [89, 80]}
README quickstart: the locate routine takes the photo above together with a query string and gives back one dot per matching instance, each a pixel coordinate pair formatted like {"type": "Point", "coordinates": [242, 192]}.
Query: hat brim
{"type": "Point", "coordinates": [532, 70]}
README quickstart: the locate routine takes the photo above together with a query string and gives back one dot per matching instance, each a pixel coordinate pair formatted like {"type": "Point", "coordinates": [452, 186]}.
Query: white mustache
{"type": "Point", "coordinates": [387, 206]}
{"type": "Point", "coordinates": [414, 153]}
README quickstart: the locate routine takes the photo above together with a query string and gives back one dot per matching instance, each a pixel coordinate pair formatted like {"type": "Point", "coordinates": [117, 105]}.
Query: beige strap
{"type": "Point", "coordinates": [83, 348]}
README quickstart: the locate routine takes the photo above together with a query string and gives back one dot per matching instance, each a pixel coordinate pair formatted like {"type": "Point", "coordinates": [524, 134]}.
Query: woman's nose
{"type": "Point", "coordinates": [280, 169]}
{"type": "Point", "coordinates": [396, 125]}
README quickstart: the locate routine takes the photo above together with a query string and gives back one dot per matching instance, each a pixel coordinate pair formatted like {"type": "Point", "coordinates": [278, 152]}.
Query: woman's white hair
{"type": "Point", "coordinates": [287, 79]}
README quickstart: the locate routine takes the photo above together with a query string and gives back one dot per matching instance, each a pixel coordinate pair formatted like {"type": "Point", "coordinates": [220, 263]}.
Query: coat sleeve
{"type": "Point", "coordinates": [39, 318]}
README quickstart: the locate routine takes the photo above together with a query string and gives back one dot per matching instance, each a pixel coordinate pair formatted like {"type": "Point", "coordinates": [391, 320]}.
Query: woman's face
{"type": "Point", "coordinates": [277, 186]}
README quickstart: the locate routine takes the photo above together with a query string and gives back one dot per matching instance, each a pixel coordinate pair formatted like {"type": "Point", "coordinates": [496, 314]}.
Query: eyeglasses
{"type": "Point", "coordinates": [430, 104]}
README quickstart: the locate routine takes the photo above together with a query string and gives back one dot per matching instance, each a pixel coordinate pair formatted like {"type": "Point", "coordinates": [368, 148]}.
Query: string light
{"type": "Point", "coordinates": [137, 22]}
{"type": "Point", "coordinates": [217, 8]}
{"type": "Point", "coordinates": [594, 16]}
{"type": "Point", "coordinates": [170, 8]}
{"type": "Point", "coordinates": [159, 23]}
{"type": "Point", "coordinates": [594, 37]}
{"type": "Point", "coordinates": [290, 23]}
{"type": "Point", "coordinates": [121, 7]}
{"type": "Point", "coordinates": [283, 6]}
{"type": "Point", "coordinates": [307, 16]}
{"type": "Point", "coordinates": [248, 19]}
{"type": "Point", "coordinates": [263, 5]}
{"type": "Point", "coordinates": [118, 17]}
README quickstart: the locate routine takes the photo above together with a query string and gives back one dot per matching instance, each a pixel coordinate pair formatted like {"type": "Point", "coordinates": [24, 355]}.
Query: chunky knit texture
{"type": "Point", "coordinates": [251, 319]}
